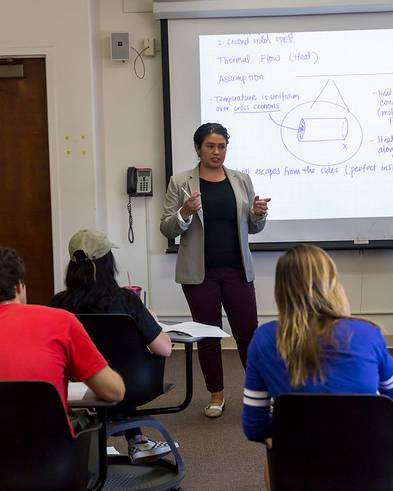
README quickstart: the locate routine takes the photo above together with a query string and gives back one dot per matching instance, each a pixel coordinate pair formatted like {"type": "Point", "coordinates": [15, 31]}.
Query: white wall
{"type": "Point", "coordinates": [62, 32]}
{"type": "Point", "coordinates": [112, 120]}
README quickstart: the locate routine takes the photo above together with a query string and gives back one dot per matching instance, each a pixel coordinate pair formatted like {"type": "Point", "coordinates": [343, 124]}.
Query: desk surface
{"type": "Point", "coordinates": [79, 393]}
{"type": "Point", "coordinates": [177, 337]}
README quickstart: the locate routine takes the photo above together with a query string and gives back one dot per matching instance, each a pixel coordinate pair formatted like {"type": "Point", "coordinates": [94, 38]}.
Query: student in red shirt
{"type": "Point", "coordinates": [47, 344]}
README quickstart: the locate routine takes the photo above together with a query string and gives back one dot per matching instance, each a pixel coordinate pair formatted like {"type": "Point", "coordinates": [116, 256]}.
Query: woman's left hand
{"type": "Point", "coordinates": [260, 205]}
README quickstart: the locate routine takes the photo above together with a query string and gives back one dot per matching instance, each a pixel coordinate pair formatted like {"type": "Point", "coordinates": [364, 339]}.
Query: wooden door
{"type": "Point", "coordinates": [25, 202]}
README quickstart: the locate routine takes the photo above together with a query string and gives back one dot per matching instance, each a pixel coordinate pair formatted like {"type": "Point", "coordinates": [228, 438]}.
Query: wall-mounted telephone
{"type": "Point", "coordinates": [139, 182]}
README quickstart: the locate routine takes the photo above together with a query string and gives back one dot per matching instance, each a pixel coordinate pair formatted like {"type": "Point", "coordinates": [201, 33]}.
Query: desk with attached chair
{"type": "Point", "coordinates": [143, 374]}
{"type": "Point", "coordinates": [115, 472]}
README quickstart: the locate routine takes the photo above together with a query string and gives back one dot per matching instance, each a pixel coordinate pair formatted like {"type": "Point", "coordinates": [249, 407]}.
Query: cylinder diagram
{"type": "Point", "coordinates": [322, 131]}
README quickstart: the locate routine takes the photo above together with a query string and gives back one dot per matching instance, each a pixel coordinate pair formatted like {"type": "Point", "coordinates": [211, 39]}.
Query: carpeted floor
{"type": "Point", "coordinates": [216, 454]}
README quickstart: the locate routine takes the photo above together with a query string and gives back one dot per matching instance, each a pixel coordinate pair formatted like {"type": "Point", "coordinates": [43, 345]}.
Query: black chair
{"type": "Point", "coordinates": [37, 449]}
{"type": "Point", "coordinates": [117, 338]}
{"type": "Point", "coordinates": [332, 442]}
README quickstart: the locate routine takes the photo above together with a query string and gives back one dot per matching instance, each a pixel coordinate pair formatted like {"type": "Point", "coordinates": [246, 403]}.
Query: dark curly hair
{"type": "Point", "coordinates": [12, 272]}
{"type": "Point", "coordinates": [207, 129]}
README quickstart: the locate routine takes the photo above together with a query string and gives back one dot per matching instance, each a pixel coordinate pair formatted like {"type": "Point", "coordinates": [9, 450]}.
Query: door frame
{"type": "Point", "coordinates": [54, 171]}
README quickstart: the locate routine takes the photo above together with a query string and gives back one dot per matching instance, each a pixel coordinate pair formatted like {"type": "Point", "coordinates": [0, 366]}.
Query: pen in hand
{"type": "Point", "coordinates": [186, 193]}
{"type": "Point", "coordinates": [192, 205]}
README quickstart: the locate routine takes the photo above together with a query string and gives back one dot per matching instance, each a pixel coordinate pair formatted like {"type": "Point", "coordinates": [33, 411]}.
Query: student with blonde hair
{"type": "Point", "coordinates": [314, 346]}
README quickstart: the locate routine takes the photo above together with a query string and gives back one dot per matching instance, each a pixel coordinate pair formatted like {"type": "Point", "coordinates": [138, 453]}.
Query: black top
{"type": "Point", "coordinates": [222, 247]}
{"type": "Point", "coordinates": [126, 302]}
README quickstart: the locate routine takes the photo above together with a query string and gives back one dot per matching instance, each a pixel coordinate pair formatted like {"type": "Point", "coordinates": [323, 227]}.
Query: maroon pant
{"type": "Point", "coordinates": [228, 288]}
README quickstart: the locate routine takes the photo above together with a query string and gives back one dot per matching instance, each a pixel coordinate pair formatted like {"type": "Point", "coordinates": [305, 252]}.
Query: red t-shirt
{"type": "Point", "coordinates": [42, 343]}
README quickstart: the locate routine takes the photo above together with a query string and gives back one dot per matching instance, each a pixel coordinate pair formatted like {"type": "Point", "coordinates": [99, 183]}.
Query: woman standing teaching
{"type": "Point", "coordinates": [213, 209]}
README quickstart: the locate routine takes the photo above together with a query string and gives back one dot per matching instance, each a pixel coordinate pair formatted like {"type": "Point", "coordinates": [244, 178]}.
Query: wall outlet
{"type": "Point", "coordinates": [149, 46]}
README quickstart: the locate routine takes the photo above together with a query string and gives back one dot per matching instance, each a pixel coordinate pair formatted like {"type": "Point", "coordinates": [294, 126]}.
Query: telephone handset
{"type": "Point", "coordinates": [139, 182]}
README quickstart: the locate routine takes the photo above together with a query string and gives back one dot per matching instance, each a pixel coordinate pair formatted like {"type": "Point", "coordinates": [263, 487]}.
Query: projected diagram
{"type": "Point", "coordinates": [322, 131]}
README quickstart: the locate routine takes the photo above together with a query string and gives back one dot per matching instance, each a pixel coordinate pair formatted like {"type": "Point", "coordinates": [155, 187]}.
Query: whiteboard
{"type": "Point", "coordinates": [309, 106]}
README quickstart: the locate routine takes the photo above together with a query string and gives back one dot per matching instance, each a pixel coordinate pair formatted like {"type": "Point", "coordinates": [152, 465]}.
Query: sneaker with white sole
{"type": "Point", "coordinates": [148, 450]}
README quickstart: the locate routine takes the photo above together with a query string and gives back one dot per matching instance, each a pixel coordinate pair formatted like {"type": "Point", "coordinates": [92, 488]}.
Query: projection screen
{"type": "Point", "coordinates": [308, 103]}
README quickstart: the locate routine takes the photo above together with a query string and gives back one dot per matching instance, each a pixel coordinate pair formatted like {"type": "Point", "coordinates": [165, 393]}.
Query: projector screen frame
{"type": "Point", "coordinates": [254, 246]}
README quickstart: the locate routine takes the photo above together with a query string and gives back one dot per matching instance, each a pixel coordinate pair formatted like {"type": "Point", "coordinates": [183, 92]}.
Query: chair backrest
{"type": "Point", "coordinates": [332, 442]}
{"type": "Point", "coordinates": [37, 450]}
{"type": "Point", "coordinates": [117, 338]}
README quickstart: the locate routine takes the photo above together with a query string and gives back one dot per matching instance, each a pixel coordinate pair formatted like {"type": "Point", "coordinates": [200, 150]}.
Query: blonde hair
{"type": "Point", "coordinates": [309, 300]}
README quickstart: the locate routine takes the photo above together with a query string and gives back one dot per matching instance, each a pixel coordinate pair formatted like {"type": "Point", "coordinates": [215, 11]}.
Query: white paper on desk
{"type": "Point", "coordinates": [195, 329]}
{"type": "Point", "coordinates": [76, 391]}
{"type": "Point", "coordinates": [112, 451]}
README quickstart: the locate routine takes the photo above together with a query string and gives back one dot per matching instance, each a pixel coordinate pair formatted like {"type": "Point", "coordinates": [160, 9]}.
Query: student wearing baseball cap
{"type": "Point", "coordinates": [92, 243]}
{"type": "Point", "coordinates": [91, 287]}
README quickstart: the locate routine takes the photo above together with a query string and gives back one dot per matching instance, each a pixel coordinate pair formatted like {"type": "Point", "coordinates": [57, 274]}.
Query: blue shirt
{"type": "Point", "coordinates": [357, 361]}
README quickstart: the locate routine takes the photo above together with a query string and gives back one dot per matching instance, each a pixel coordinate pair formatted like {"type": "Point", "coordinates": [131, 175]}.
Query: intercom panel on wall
{"type": "Point", "coordinates": [120, 46]}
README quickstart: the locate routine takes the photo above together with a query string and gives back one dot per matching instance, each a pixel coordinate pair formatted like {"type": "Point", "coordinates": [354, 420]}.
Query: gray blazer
{"type": "Point", "coordinates": [190, 265]}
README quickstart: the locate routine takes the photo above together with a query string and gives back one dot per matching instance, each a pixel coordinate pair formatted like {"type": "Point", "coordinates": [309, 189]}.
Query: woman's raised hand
{"type": "Point", "coordinates": [191, 206]}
